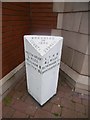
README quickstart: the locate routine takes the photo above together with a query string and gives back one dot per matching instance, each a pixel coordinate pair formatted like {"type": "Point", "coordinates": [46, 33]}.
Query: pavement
{"type": "Point", "coordinates": [65, 104]}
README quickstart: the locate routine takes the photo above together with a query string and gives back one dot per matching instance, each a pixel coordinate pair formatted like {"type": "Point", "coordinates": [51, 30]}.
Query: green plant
{"type": "Point", "coordinates": [56, 114]}
{"type": "Point", "coordinates": [7, 100]}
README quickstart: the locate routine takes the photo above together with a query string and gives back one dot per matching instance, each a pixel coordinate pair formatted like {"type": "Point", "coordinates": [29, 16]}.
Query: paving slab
{"type": "Point", "coordinates": [65, 104]}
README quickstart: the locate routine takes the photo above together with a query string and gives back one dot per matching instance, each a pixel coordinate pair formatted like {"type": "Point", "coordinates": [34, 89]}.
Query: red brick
{"type": "Point", "coordinates": [31, 110]}
{"type": "Point", "coordinates": [30, 101]}
{"type": "Point", "coordinates": [18, 95]}
{"type": "Point", "coordinates": [80, 108]}
{"type": "Point", "coordinates": [41, 23]}
{"type": "Point", "coordinates": [26, 106]}
{"type": "Point", "coordinates": [85, 102]}
{"type": "Point", "coordinates": [7, 112]}
{"type": "Point", "coordinates": [12, 27]}
{"type": "Point", "coordinates": [24, 97]}
{"type": "Point", "coordinates": [80, 115]}
{"type": "Point", "coordinates": [20, 106]}
{"type": "Point", "coordinates": [67, 113]}
{"type": "Point", "coordinates": [56, 99]}
{"type": "Point", "coordinates": [11, 93]}
{"type": "Point", "coordinates": [87, 109]}
{"type": "Point", "coordinates": [66, 92]}
{"type": "Point", "coordinates": [60, 94]}
{"type": "Point", "coordinates": [42, 114]}
{"type": "Point", "coordinates": [76, 99]}
{"type": "Point", "coordinates": [68, 96]}
{"type": "Point", "coordinates": [47, 106]}
{"type": "Point", "coordinates": [19, 114]}
{"type": "Point", "coordinates": [18, 85]}
{"type": "Point", "coordinates": [14, 100]}
{"type": "Point", "coordinates": [56, 110]}
{"type": "Point", "coordinates": [68, 104]}
{"type": "Point", "coordinates": [23, 88]}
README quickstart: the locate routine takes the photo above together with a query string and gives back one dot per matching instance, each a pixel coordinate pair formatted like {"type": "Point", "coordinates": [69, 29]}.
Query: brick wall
{"type": "Point", "coordinates": [19, 19]}
{"type": "Point", "coordinates": [43, 19]}
{"type": "Point", "coordinates": [0, 40]}
{"type": "Point", "coordinates": [72, 24]}
{"type": "Point", "coordinates": [15, 23]}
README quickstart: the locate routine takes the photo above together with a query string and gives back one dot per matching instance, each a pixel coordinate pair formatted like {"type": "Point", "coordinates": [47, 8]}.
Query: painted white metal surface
{"type": "Point", "coordinates": [42, 60]}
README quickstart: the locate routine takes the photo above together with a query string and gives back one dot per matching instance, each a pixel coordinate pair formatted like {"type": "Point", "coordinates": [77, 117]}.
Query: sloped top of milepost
{"type": "Point", "coordinates": [42, 44]}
